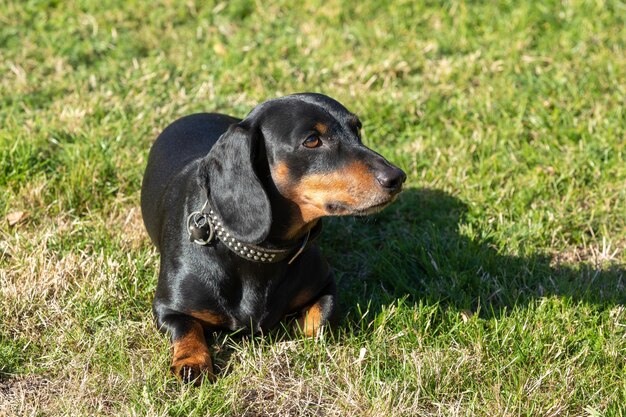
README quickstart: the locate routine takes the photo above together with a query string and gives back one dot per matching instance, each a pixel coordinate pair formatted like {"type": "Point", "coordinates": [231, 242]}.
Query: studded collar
{"type": "Point", "coordinates": [206, 228]}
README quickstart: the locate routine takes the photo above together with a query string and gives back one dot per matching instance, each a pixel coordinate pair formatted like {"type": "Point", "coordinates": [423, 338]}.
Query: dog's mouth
{"type": "Point", "coordinates": [338, 208]}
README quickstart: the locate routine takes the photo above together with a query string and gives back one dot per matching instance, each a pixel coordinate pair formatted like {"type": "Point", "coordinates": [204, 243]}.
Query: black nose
{"type": "Point", "coordinates": [391, 178]}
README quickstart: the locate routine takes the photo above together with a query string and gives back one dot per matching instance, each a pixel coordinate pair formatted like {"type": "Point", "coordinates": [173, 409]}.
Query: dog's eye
{"type": "Point", "coordinates": [312, 142]}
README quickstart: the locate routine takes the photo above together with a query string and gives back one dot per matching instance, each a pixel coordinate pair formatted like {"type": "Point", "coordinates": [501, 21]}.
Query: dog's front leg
{"type": "Point", "coordinates": [191, 359]}
{"type": "Point", "coordinates": [322, 311]}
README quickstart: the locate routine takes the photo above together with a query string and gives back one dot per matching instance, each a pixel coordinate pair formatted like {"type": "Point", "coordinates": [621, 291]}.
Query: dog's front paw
{"type": "Point", "coordinates": [192, 370]}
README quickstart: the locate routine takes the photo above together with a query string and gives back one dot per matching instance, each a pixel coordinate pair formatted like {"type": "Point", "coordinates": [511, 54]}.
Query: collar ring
{"type": "Point", "coordinates": [200, 228]}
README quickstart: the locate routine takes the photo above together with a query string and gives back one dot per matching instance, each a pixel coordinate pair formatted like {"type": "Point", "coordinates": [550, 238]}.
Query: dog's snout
{"type": "Point", "coordinates": [391, 178]}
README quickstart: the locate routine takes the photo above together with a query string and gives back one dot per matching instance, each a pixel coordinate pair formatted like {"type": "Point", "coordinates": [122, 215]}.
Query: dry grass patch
{"type": "Point", "coordinates": [28, 395]}
{"type": "Point", "coordinates": [602, 255]}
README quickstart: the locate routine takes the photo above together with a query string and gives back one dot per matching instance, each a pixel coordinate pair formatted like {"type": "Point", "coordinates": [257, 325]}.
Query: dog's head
{"type": "Point", "coordinates": [308, 148]}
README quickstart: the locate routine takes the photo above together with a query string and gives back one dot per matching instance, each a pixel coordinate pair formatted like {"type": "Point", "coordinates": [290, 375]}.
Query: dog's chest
{"type": "Point", "coordinates": [256, 297]}
{"type": "Point", "coordinates": [253, 308]}
{"type": "Point", "coordinates": [256, 304]}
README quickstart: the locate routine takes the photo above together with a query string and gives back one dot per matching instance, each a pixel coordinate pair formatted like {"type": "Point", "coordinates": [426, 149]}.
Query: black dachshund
{"type": "Point", "coordinates": [234, 207]}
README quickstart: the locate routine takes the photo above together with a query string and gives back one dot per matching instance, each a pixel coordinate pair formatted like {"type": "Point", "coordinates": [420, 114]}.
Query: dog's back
{"type": "Point", "coordinates": [185, 140]}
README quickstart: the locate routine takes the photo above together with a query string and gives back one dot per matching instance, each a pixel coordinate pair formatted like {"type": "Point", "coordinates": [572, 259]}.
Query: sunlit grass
{"type": "Point", "coordinates": [493, 286]}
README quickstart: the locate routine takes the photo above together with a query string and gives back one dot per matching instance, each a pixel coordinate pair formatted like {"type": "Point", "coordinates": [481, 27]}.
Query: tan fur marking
{"type": "Point", "coordinates": [354, 186]}
{"type": "Point", "coordinates": [321, 127]}
{"type": "Point", "coordinates": [311, 321]}
{"type": "Point", "coordinates": [351, 186]}
{"type": "Point", "coordinates": [191, 351]}
{"type": "Point", "coordinates": [280, 175]}
{"type": "Point", "coordinates": [301, 299]}
{"type": "Point", "coordinates": [209, 317]}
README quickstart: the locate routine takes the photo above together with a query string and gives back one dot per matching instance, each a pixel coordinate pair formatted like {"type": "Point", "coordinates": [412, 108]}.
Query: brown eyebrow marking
{"type": "Point", "coordinates": [321, 127]}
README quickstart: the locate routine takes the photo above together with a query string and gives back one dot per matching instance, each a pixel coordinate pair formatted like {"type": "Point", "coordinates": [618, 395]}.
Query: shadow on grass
{"type": "Point", "coordinates": [414, 250]}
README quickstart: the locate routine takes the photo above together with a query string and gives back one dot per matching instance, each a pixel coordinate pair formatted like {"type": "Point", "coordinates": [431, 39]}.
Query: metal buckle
{"type": "Point", "coordinates": [200, 228]}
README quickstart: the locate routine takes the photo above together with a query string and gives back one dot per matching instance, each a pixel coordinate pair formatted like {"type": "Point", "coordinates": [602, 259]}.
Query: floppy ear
{"type": "Point", "coordinates": [233, 187]}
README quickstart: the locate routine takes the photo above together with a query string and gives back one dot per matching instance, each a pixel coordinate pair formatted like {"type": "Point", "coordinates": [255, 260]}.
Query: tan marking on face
{"type": "Point", "coordinates": [311, 321]}
{"type": "Point", "coordinates": [209, 317]}
{"type": "Point", "coordinates": [321, 128]}
{"type": "Point", "coordinates": [353, 186]}
{"type": "Point", "coordinates": [191, 351]}
{"type": "Point", "coordinates": [280, 175]}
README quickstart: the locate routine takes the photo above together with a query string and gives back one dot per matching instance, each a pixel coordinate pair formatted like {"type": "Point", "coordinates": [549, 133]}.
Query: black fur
{"type": "Point", "coordinates": [234, 154]}
{"type": "Point", "coordinates": [230, 161]}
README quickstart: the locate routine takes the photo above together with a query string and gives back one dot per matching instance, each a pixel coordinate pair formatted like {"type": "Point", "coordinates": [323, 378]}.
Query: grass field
{"type": "Point", "coordinates": [495, 286]}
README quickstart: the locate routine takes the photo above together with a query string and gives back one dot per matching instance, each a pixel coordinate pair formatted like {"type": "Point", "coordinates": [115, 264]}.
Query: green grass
{"type": "Point", "coordinates": [493, 287]}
